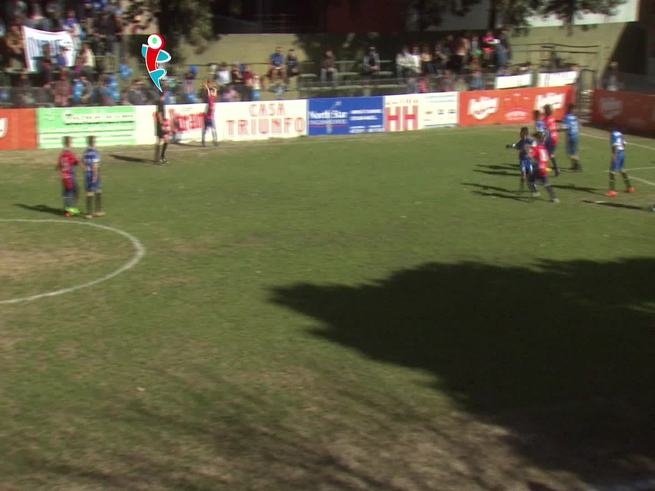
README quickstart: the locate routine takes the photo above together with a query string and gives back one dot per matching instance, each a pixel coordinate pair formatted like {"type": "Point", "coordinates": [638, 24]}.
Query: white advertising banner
{"type": "Point", "coordinates": [187, 121]}
{"type": "Point", "coordinates": [438, 109]}
{"type": "Point", "coordinates": [512, 81]}
{"type": "Point", "coordinates": [401, 112]}
{"type": "Point", "coordinates": [36, 39]}
{"type": "Point", "coordinates": [558, 79]}
{"type": "Point", "coordinates": [145, 125]}
{"type": "Point", "coordinates": [243, 121]}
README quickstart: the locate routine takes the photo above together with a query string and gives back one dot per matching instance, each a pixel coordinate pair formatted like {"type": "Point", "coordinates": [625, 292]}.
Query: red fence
{"type": "Point", "coordinates": [628, 110]}
{"type": "Point", "coordinates": [510, 106]}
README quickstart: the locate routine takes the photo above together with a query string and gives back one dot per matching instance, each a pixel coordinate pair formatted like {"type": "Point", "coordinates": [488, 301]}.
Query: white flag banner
{"type": "Point", "coordinates": [36, 39]}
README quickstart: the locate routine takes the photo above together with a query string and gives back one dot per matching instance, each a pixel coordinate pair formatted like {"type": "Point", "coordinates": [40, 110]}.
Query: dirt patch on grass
{"type": "Point", "coordinates": [19, 264]}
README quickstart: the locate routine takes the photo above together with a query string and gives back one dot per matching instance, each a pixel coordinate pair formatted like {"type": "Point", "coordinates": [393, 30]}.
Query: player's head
{"type": "Point", "coordinates": [524, 132]}
{"type": "Point", "coordinates": [91, 140]}
{"type": "Point", "coordinates": [536, 115]}
{"type": "Point", "coordinates": [570, 108]}
{"type": "Point", "coordinates": [548, 109]}
{"type": "Point", "coordinates": [67, 141]}
{"type": "Point", "coordinates": [540, 136]}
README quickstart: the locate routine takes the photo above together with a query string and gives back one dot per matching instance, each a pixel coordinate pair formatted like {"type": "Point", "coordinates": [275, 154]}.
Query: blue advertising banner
{"type": "Point", "coordinates": [345, 115]}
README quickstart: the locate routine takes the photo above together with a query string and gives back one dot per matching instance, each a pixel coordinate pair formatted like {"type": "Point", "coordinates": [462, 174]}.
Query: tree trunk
{"type": "Point", "coordinates": [493, 13]}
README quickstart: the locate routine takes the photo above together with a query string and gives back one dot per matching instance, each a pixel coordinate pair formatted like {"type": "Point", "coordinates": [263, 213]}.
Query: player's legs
{"type": "Point", "coordinates": [572, 150]}
{"type": "Point", "coordinates": [162, 157]}
{"type": "Point", "coordinates": [612, 184]}
{"type": "Point", "coordinates": [549, 189]}
{"type": "Point", "coordinates": [99, 212]}
{"type": "Point", "coordinates": [89, 204]}
{"type": "Point", "coordinates": [205, 124]}
{"type": "Point", "coordinates": [551, 146]}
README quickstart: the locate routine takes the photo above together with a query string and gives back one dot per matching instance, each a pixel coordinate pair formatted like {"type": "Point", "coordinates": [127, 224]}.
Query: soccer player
{"type": "Point", "coordinates": [209, 113]}
{"type": "Point", "coordinates": [525, 162]}
{"type": "Point", "coordinates": [66, 167]}
{"type": "Point", "coordinates": [551, 136]}
{"type": "Point", "coordinates": [570, 124]}
{"type": "Point", "coordinates": [163, 130]}
{"type": "Point", "coordinates": [539, 125]}
{"type": "Point", "coordinates": [617, 142]}
{"type": "Point", "coordinates": [540, 157]}
{"type": "Point", "coordinates": [91, 160]}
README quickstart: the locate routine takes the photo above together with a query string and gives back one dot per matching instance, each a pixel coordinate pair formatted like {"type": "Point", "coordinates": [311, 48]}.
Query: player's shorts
{"type": "Point", "coordinates": [618, 162]}
{"type": "Point", "coordinates": [525, 165]}
{"type": "Point", "coordinates": [90, 186]}
{"type": "Point", "coordinates": [69, 187]}
{"type": "Point", "coordinates": [160, 131]}
{"type": "Point", "coordinates": [209, 121]}
{"type": "Point", "coordinates": [551, 145]}
{"type": "Point", "coordinates": [572, 145]}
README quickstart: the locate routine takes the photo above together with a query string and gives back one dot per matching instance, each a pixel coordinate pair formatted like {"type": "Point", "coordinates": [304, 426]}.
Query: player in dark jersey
{"type": "Point", "coordinates": [210, 95]}
{"type": "Point", "coordinates": [91, 160]}
{"type": "Point", "coordinates": [163, 130]}
{"type": "Point", "coordinates": [540, 157]}
{"type": "Point", "coordinates": [66, 167]}
{"type": "Point", "coordinates": [525, 162]}
{"type": "Point", "coordinates": [551, 136]}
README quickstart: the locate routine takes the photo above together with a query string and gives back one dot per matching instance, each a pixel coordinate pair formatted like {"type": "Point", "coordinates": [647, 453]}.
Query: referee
{"type": "Point", "coordinates": [162, 130]}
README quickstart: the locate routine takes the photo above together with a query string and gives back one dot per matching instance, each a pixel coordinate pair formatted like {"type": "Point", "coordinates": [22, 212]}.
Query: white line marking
{"type": "Point", "coordinates": [139, 252]}
{"type": "Point", "coordinates": [642, 180]}
{"type": "Point", "coordinates": [628, 143]}
{"type": "Point", "coordinates": [641, 168]}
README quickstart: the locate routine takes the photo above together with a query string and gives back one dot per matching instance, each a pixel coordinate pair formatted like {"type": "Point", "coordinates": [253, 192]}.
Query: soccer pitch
{"type": "Point", "coordinates": [382, 312]}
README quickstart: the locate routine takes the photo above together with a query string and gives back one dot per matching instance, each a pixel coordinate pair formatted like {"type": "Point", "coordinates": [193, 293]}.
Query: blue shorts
{"type": "Point", "coordinates": [572, 145]}
{"type": "Point", "coordinates": [209, 121]}
{"type": "Point", "coordinates": [550, 146]}
{"type": "Point", "coordinates": [91, 187]}
{"type": "Point", "coordinates": [525, 165]}
{"type": "Point", "coordinates": [69, 188]}
{"type": "Point", "coordinates": [618, 162]}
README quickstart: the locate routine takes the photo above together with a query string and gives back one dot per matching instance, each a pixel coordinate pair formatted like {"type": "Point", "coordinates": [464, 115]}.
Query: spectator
{"type": "Point", "coordinates": [135, 96]}
{"type": "Point", "coordinates": [415, 66]}
{"type": "Point", "coordinates": [16, 10]}
{"type": "Point", "coordinates": [235, 75]}
{"type": "Point", "coordinates": [248, 82]}
{"type": "Point", "coordinates": [87, 61]}
{"type": "Point", "coordinates": [72, 26]}
{"type": "Point", "coordinates": [403, 63]}
{"type": "Point", "coordinates": [276, 71]}
{"type": "Point", "coordinates": [476, 82]}
{"type": "Point", "coordinates": [45, 66]}
{"type": "Point", "coordinates": [440, 58]}
{"type": "Point", "coordinates": [459, 56]}
{"type": "Point", "coordinates": [427, 67]}
{"type": "Point", "coordinates": [293, 67]}
{"type": "Point", "coordinates": [60, 58]}
{"type": "Point", "coordinates": [488, 47]}
{"type": "Point", "coordinates": [329, 67]}
{"type": "Point", "coordinates": [23, 91]}
{"type": "Point", "coordinates": [255, 94]}
{"type": "Point", "coordinates": [230, 95]}
{"type": "Point", "coordinates": [501, 57]}
{"type": "Point", "coordinates": [447, 82]}
{"type": "Point", "coordinates": [371, 63]}
{"type": "Point", "coordinates": [188, 88]}
{"type": "Point", "coordinates": [106, 92]}
{"type": "Point", "coordinates": [14, 43]}
{"type": "Point", "coordinates": [36, 19]}
{"type": "Point", "coordinates": [613, 78]}
{"type": "Point", "coordinates": [223, 77]}
{"type": "Point", "coordinates": [62, 89]}
{"type": "Point", "coordinates": [52, 20]}
{"type": "Point", "coordinates": [87, 90]}
{"type": "Point", "coordinates": [105, 29]}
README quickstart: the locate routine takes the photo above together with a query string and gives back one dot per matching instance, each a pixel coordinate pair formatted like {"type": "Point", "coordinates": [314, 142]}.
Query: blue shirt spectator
{"type": "Point", "coordinates": [277, 58]}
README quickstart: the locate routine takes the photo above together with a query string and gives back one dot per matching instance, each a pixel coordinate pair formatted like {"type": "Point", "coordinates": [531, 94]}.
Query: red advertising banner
{"type": "Point", "coordinates": [511, 106]}
{"type": "Point", "coordinates": [17, 129]}
{"type": "Point", "coordinates": [628, 110]}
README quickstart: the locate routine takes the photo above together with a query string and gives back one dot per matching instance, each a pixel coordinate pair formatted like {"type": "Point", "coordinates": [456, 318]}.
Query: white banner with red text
{"type": "Point", "coordinates": [243, 121]}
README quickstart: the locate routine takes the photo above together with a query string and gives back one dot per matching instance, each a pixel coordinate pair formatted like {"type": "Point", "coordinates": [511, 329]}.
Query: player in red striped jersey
{"type": "Point", "coordinates": [66, 167]}
{"type": "Point", "coordinates": [210, 95]}
{"type": "Point", "coordinates": [540, 156]}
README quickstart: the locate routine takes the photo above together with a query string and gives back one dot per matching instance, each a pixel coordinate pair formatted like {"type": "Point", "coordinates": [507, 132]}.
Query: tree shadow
{"type": "Point", "coordinates": [561, 354]}
{"type": "Point", "coordinates": [41, 209]}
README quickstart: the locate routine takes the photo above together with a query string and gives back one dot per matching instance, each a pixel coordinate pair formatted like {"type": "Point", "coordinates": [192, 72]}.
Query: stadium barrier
{"type": "Point", "coordinates": [629, 110]}
{"type": "Point", "coordinates": [511, 106]}
{"type": "Point", "coordinates": [17, 129]}
{"type": "Point", "coordinates": [247, 121]}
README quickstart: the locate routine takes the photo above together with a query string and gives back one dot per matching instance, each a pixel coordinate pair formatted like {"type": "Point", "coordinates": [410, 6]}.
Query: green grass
{"type": "Point", "coordinates": [382, 312]}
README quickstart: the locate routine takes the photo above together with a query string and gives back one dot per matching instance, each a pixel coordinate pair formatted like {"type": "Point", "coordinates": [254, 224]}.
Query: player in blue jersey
{"type": "Point", "coordinates": [617, 142]}
{"type": "Point", "coordinates": [525, 162]}
{"type": "Point", "coordinates": [572, 127]}
{"type": "Point", "coordinates": [539, 124]}
{"type": "Point", "coordinates": [91, 160]}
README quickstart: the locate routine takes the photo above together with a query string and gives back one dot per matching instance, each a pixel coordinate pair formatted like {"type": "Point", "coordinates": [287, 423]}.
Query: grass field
{"type": "Point", "coordinates": [383, 312]}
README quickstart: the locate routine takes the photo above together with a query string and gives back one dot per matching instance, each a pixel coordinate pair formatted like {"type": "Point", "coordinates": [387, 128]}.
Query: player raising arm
{"type": "Point", "coordinates": [91, 160]}
{"type": "Point", "coordinates": [617, 142]}
{"type": "Point", "coordinates": [66, 168]}
{"type": "Point", "coordinates": [210, 95]}
{"type": "Point", "coordinates": [525, 162]}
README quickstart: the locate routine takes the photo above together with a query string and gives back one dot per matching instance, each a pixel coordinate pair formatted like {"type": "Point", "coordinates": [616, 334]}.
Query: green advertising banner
{"type": "Point", "coordinates": [113, 125]}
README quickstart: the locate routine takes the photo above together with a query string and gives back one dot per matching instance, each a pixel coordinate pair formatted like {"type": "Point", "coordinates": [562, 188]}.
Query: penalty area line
{"type": "Point", "coordinates": [139, 253]}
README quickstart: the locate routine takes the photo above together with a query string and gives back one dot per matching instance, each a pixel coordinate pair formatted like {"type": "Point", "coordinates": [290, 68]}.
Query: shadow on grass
{"type": "Point", "coordinates": [616, 205]}
{"type": "Point", "coordinates": [127, 158]}
{"type": "Point", "coordinates": [561, 355]}
{"type": "Point", "coordinates": [41, 209]}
